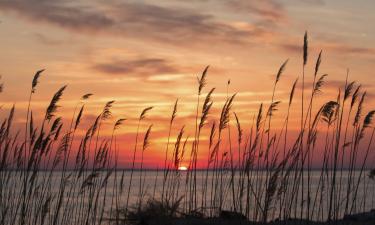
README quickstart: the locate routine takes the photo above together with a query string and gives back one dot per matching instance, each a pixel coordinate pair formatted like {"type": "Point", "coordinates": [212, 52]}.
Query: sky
{"type": "Point", "coordinates": [149, 53]}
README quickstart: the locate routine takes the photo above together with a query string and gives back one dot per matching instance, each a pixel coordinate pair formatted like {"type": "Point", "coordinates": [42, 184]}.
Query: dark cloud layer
{"type": "Point", "coordinates": [142, 67]}
{"type": "Point", "coordinates": [131, 19]}
{"type": "Point", "coordinates": [58, 13]}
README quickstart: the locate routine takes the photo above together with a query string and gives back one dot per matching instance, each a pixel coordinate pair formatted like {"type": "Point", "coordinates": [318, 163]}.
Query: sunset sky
{"type": "Point", "coordinates": [148, 53]}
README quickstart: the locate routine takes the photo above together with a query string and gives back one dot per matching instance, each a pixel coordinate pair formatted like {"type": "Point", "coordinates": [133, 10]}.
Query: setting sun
{"type": "Point", "coordinates": [182, 168]}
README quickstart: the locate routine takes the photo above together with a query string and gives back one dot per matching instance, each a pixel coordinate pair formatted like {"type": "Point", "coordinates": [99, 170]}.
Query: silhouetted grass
{"type": "Point", "coordinates": [47, 179]}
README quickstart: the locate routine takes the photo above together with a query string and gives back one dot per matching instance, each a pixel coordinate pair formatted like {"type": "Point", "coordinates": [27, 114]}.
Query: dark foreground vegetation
{"type": "Point", "coordinates": [271, 178]}
{"type": "Point", "coordinates": [155, 212]}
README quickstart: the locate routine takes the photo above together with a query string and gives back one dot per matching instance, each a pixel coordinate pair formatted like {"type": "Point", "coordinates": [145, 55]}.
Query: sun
{"type": "Point", "coordinates": [182, 168]}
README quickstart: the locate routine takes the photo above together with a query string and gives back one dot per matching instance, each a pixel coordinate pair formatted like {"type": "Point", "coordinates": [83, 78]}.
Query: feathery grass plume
{"type": "Point", "coordinates": [51, 109]}
{"type": "Point", "coordinates": [106, 114]}
{"type": "Point", "coordinates": [355, 96]}
{"type": "Point", "coordinates": [319, 84]}
{"type": "Point", "coordinates": [58, 132]}
{"type": "Point", "coordinates": [144, 112]}
{"type": "Point", "coordinates": [328, 111]}
{"type": "Point", "coordinates": [86, 96]}
{"type": "Point", "coordinates": [317, 65]}
{"type": "Point", "coordinates": [55, 124]}
{"type": "Point", "coordinates": [100, 156]}
{"type": "Point", "coordinates": [177, 158]}
{"type": "Point", "coordinates": [305, 48]}
{"type": "Point", "coordinates": [174, 113]}
{"type": "Point", "coordinates": [239, 129]}
{"type": "Point", "coordinates": [35, 80]}
{"type": "Point", "coordinates": [206, 108]}
{"type": "Point", "coordinates": [118, 123]}
{"type": "Point", "coordinates": [273, 107]}
{"type": "Point", "coordinates": [146, 138]}
{"type": "Point", "coordinates": [368, 119]}
{"type": "Point", "coordinates": [292, 92]}
{"type": "Point", "coordinates": [82, 148]}
{"type": "Point", "coordinates": [95, 125]}
{"type": "Point", "coordinates": [224, 117]}
{"type": "Point", "coordinates": [359, 109]}
{"type": "Point", "coordinates": [10, 118]}
{"type": "Point", "coordinates": [45, 143]}
{"type": "Point", "coordinates": [78, 120]}
{"type": "Point", "coordinates": [214, 151]}
{"type": "Point", "coordinates": [281, 70]}
{"type": "Point", "coordinates": [202, 81]}
{"type": "Point", "coordinates": [212, 133]}
{"type": "Point", "coordinates": [348, 90]}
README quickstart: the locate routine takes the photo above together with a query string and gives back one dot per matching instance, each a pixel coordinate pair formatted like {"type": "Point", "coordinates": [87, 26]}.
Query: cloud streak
{"type": "Point", "coordinates": [58, 13]}
{"type": "Point", "coordinates": [339, 48]}
{"type": "Point", "coordinates": [269, 12]}
{"type": "Point", "coordinates": [131, 19]}
{"type": "Point", "coordinates": [143, 67]}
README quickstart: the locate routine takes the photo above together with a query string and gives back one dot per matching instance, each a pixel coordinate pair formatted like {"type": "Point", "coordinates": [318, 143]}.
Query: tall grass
{"type": "Point", "coordinates": [53, 173]}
